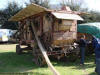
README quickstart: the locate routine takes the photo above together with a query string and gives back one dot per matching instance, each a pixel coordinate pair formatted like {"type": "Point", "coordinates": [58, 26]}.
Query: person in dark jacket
{"type": "Point", "coordinates": [96, 43]}
{"type": "Point", "coordinates": [82, 45]}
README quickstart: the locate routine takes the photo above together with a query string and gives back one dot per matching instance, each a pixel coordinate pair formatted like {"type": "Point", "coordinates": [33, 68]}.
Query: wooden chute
{"type": "Point", "coordinates": [42, 49]}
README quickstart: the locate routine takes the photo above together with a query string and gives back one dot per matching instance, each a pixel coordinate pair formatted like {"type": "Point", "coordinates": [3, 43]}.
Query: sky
{"type": "Point", "coordinates": [91, 4]}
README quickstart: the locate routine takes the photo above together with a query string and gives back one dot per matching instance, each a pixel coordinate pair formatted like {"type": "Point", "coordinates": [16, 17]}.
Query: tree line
{"type": "Point", "coordinates": [13, 8]}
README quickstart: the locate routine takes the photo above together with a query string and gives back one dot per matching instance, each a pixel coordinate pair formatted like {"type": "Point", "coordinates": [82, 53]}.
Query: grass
{"type": "Point", "coordinates": [11, 62]}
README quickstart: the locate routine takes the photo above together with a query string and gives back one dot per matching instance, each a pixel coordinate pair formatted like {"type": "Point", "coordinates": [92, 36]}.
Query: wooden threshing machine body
{"type": "Point", "coordinates": [56, 30]}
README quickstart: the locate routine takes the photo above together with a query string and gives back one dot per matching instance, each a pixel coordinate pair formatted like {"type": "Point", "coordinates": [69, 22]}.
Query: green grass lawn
{"type": "Point", "coordinates": [11, 62]}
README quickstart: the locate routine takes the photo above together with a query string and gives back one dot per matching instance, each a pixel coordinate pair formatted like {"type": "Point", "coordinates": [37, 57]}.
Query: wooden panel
{"type": "Point", "coordinates": [63, 42]}
{"type": "Point", "coordinates": [73, 28]}
{"type": "Point", "coordinates": [47, 24]}
{"type": "Point", "coordinates": [63, 37]}
{"type": "Point", "coordinates": [37, 25]}
{"type": "Point", "coordinates": [64, 25]}
{"type": "Point", "coordinates": [67, 22]}
{"type": "Point", "coordinates": [63, 28]}
{"type": "Point", "coordinates": [56, 27]}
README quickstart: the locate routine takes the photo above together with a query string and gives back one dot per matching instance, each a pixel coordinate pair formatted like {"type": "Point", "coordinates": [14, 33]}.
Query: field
{"type": "Point", "coordinates": [11, 62]}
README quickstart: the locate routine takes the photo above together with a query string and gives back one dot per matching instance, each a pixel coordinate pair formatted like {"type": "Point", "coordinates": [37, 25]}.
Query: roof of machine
{"type": "Point", "coordinates": [67, 16]}
{"type": "Point", "coordinates": [30, 10]}
{"type": "Point", "coordinates": [34, 9]}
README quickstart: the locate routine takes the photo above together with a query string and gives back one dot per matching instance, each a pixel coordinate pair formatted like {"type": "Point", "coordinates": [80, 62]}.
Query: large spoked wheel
{"type": "Point", "coordinates": [38, 58]}
{"type": "Point", "coordinates": [18, 50]}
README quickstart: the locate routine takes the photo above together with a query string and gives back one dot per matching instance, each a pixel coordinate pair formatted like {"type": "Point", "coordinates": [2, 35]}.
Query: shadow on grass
{"type": "Point", "coordinates": [93, 73]}
{"type": "Point", "coordinates": [11, 62]}
{"type": "Point", "coordinates": [37, 73]}
{"type": "Point", "coordinates": [89, 63]}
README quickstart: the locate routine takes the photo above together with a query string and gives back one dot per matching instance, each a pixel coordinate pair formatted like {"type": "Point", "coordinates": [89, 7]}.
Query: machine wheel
{"type": "Point", "coordinates": [18, 50]}
{"type": "Point", "coordinates": [38, 58]}
{"type": "Point", "coordinates": [40, 61]}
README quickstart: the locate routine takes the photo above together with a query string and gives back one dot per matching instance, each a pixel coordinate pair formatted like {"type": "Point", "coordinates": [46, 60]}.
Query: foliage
{"type": "Point", "coordinates": [12, 9]}
{"type": "Point", "coordinates": [44, 3]}
{"type": "Point", "coordinates": [92, 16]}
{"type": "Point", "coordinates": [7, 13]}
{"type": "Point", "coordinates": [75, 6]}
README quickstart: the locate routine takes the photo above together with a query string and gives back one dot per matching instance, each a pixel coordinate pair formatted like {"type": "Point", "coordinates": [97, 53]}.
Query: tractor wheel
{"type": "Point", "coordinates": [18, 50]}
{"type": "Point", "coordinates": [40, 61]}
{"type": "Point", "coordinates": [38, 58]}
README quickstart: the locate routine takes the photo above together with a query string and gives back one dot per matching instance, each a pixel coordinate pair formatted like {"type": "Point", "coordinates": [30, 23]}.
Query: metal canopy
{"type": "Point", "coordinates": [90, 28]}
{"type": "Point", "coordinates": [66, 16]}
{"type": "Point", "coordinates": [28, 11]}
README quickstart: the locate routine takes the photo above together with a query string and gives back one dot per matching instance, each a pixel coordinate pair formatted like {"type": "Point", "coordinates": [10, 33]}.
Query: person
{"type": "Point", "coordinates": [96, 43]}
{"type": "Point", "coordinates": [82, 45]}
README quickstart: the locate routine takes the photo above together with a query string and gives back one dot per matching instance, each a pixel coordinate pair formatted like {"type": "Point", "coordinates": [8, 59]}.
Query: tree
{"type": "Point", "coordinates": [92, 16]}
{"type": "Point", "coordinates": [44, 3]}
{"type": "Point", "coordinates": [7, 13]}
{"type": "Point", "coordinates": [75, 6]}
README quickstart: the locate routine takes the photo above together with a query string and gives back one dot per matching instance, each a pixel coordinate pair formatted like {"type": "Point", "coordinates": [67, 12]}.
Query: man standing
{"type": "Point", "coordinates": [82, 45]}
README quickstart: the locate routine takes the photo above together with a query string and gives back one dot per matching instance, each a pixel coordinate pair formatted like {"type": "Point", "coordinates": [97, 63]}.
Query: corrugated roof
{"type": "Point", "coordinates": [30, 10]}
{"type": "Point", "coordinates": [67, 16]}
